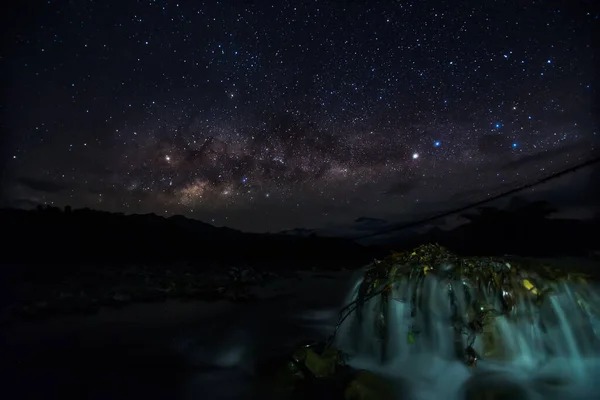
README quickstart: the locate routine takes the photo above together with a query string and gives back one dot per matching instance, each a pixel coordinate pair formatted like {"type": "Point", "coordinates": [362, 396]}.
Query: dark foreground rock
{"type": "Point", "coordinates": [319, 371]}
{"type": "Point", "coordinates": [86, 294]}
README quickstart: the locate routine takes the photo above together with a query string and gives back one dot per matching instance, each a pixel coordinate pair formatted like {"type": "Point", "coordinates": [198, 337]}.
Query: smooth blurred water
{"type": "Point", "coordinates": [201, 350]}
{"type": "Point", "coordinates": [171, 350]}
{"type": "Point", "coordinates": [553, 354]}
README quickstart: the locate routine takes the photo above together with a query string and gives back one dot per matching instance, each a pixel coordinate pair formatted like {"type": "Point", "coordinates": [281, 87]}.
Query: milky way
{"type": "Point", "coordinates": [268, 115]}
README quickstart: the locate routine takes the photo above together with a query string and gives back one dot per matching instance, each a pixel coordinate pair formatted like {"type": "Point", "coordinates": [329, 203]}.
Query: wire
{"type": "Point", "coordinates": [484, 201]}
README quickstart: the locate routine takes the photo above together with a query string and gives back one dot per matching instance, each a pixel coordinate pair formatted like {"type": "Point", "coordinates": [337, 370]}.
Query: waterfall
{"type": "Point", "coordinates": [536, 348]}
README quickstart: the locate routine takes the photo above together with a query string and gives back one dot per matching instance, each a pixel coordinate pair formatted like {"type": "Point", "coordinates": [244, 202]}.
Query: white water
{"type": "Point", "coordinates": [552, 354]}
{"type": "Point", "coordinates": [224, 340]}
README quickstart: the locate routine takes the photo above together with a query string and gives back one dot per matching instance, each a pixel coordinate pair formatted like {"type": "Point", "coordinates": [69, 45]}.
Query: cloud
{"type": "Point", "coordinates": [572, 190]}
{"type": "Point", "coordinates": [25, 203]}
{"type": "Point", "coordinates": [369, 220]}
{"type": "Point", "coordinates": [592, 186]}
{"type": "Point", "coordinates": [41, 185]}
{"type": "Point", "coordinates": [401, 188]}
{"type": "Point", "coordinates": [368, 224]}
{"type": "Point", "coordinates": [543, 156]}
{"type": "Point", "coordinates": [493, 144]}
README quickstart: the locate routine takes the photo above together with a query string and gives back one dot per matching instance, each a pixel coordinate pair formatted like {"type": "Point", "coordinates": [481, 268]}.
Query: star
{"type": "Point", "coordinates": [258, 106]}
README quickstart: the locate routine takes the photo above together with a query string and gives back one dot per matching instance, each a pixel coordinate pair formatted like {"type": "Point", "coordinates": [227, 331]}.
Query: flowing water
{"type": "Point", "coordinates": [171, 350]}
{"type": "Point", "coordinates": [550, 351]}
{"type": "Point", "coordinates": [197, 350]}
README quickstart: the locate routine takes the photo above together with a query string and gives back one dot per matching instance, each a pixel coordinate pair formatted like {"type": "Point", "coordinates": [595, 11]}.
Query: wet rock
{"type": "Point", "coordinates": [321, 361]}
{"type": "Point", "coordinates": [369, 386]}
{"type": "Point", "coordinates": [152, 296]}
{"type": "Point", "coordinates": [115, 300]}
{"type": "Point", "coordinates": [493, 345]}
{"type": "Point", "coordinates": [84, 306]}
{"type": "Point", "coordinates": [321, 365]}
{"type": "Point", "coordinates": [242, 298]}
{"type": "Point", "coordinates": [478, 291]}
{"type": "Point", "coordinates": [495, 387]}
{"type": "Point", "coordinates": [244, 274]}
{"type": "Point", "coordinates": [121, 297]}
{"type": "Point", "coordinates": [312, 371]}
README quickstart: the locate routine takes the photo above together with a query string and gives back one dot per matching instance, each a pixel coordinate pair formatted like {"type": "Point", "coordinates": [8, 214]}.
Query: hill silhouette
{"type": "Point", "coordinates": [523, 228]}
{"type": "Point", "coordinates": [75, 261]}
{"type": "Point", "coordinates": [50, 235]}
{"type": "Point", "coordinates": [65, 261]}
{"type": "Point", "coordinates": [53, 236]}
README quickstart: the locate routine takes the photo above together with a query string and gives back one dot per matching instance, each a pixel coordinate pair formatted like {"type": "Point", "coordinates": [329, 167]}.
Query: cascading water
{"type": "Point", "coordinates": [443, 334]}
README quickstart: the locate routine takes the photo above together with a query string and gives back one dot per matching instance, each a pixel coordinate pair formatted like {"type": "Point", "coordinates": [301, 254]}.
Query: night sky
{"type": "Point", "coordinates": [269, 115]}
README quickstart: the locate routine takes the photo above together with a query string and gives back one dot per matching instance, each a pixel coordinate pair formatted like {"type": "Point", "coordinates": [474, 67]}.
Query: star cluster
{"type": "Point", "coordinates": [266, 115]}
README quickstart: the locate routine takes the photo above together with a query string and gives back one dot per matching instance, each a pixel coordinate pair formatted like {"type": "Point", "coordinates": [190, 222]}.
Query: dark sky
{"type": "Point", "coordinates": [269, 115]}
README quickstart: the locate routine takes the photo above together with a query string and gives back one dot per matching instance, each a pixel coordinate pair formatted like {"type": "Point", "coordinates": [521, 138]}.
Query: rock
{"type": "Point", "coordinates": [121, 297]}
{"type": "Point", "coordinates": [321, 363]}
{"type": "Point", "coordinates": [494, 387]}
{"type": "Point", "coordinates": [41, 304]}
{"type": "Point", "coordinates": [369, 386]}
{"type": "Point", "coordinates": [29, 311]}
{"type": "Point", "coordinates": [493, 346]}
{"type": "Point", "coordinates": [280, 377]}
{"type": "Point", "coordinates": [316, 371]}
{"type": "Point", "coordinates": [85, 306]}
{"type": "Point", "coordinates": [479, 290]}
{"type": "Point", "coordinates": [153, 296]}
{"type": "Point", "coordinates": [242, 298]}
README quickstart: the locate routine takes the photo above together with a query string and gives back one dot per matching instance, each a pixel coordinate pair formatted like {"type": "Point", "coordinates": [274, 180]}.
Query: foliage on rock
{"type": "Point", "coordinates": [319, 370]}
{"type": "Point", "coordinates": [368, 386]}
{"type": "Point", "coordinates": [492, 287]}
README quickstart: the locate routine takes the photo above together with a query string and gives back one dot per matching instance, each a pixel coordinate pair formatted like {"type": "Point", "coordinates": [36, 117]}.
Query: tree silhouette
{"type": "Point", "coordinates": [518, 210]}
{"type": "Point", "coordinates": [535, 211]}
{"type": "Point", "coordinates": [486, 215]}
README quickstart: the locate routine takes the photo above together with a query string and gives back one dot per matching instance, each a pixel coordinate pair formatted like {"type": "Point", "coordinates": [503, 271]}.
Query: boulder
{"type": "Point", "coordinates": [369, 386]}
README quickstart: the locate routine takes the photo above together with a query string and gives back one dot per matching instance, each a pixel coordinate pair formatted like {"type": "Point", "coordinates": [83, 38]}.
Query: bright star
{"type": "Point", "coordinates": [514, 145]}
{"type": "Point", "coordinates": [168, 158]}
{"type": "Point", "coordinates": [436, 144]}
{"type": "Point", "coordinates": [415, 156]}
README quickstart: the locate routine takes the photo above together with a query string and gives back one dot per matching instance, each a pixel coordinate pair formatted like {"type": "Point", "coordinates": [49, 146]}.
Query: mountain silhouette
{"type": "Point", "coordinates": [49, 235]}
{"type": "Point", "coordinates": [522, 228]}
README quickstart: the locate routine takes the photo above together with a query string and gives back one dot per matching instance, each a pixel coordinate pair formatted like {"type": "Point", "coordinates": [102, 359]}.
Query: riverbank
{"type": "Point", "coordinates": [172, 349]}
